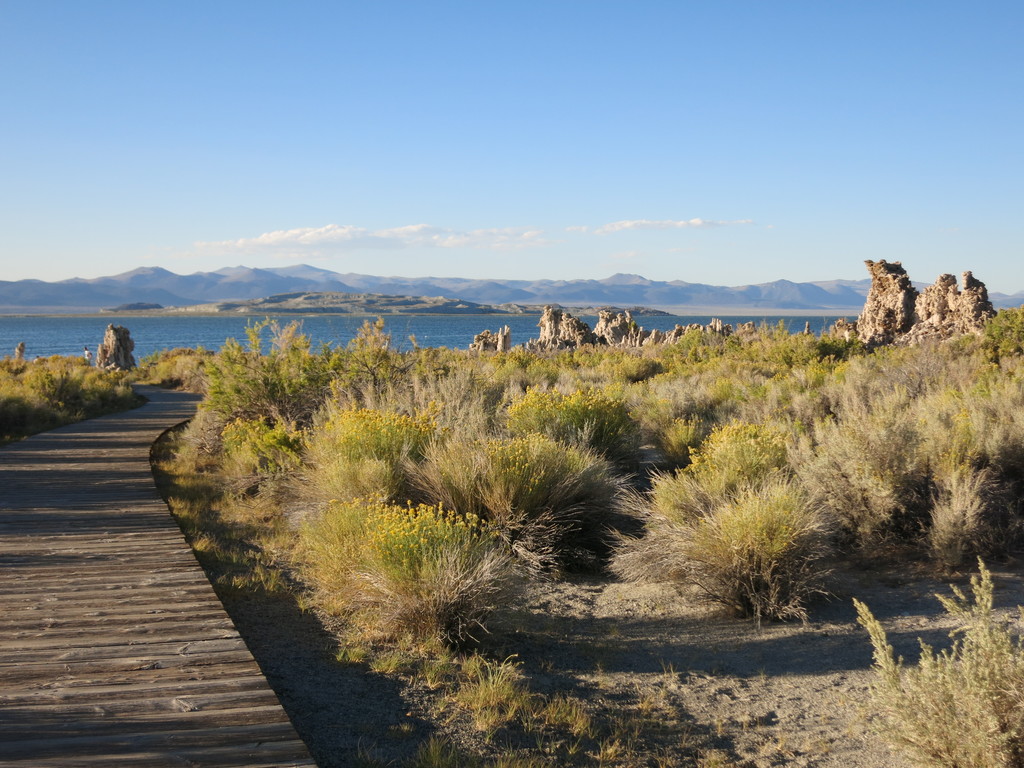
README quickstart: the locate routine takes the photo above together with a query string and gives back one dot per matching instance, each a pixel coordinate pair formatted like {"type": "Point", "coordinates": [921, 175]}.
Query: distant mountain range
{"type": "Point", "coordinates": [154, 285]}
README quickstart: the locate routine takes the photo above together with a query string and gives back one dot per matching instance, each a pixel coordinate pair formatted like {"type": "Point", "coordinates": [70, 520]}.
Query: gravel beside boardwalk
{"type": "Point", "coordinates": [114, 649]}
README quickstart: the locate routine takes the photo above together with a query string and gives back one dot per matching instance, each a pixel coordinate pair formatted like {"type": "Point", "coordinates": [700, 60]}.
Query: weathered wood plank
{"type": "Point", "coordinates": [114, 649]}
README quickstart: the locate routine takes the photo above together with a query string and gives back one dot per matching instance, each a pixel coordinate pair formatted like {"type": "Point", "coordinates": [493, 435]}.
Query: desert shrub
{"type": "Point", "coordinates": [679, 439]}
{"type": "Point", "coordinates": [519, 369]}
{"type": "Point", "coordinates": [626, 366]}
{"type": "Point", "coordinates": [285, 385]}
{"type": "Point", "coordinates": [758, 555]}
{"type": "Point", "coordinates": [357, 452]}
{"type": "Point", "coordinates": [463, 400]}
{"type": "Point", "coordinates": [421, 572]}
{"type": "Point", "coordinates": [550, 503]}
{"type": "Point", "coordinates": [868, 470]}
{"type": "Point", "coordinates": [995, 411]}
{"type": "Point", "coordinates": [255, 449]}
{"type": "Point", "coordinates": [585, 418]}
{"type": "Point", "coordinates": [734, 524]}
{"type": "Point", "coordinates": [368, 365]}
{"type": "Point", "coordinates": [958, 707]}
{"type": "Point", "coordinates": [756, 551]}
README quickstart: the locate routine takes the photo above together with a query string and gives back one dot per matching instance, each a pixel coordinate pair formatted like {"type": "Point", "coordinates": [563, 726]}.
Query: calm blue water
{"type": "Point", "coordinates": [63, 335]}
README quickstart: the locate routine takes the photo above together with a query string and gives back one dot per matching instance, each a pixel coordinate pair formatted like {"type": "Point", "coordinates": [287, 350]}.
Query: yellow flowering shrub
{"type": "Point", "coordinates": [364, 451]}
{"type": "Point", "coordinates": [405, 571]}
{"type": "Point", "coordinates": [409, 540]}
{"type": "Point", "coordinates": [585, 417]}
{"type": "Point", "coordinates": [363, 433]}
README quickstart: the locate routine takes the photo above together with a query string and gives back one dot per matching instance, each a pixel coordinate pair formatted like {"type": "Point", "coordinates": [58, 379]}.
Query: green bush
{"type": "Point", "coordinates": [255, 449]}
{"type": "Point", "coordinates": [369, 365]}
{"type": "Point", "coordinates": [550, 503]}
{"type": "Point", "coordinates": [584, 418]}
{"type": "Point", "coordinates": [1003, 335]}
{"type": "Point", "coordinates": [420, 572]}
{"type": "Point", "coordinates": [958, 707]}
{"type": "Point", "coordinates": [285, 385]}
{"type": "Point", "coordinates": [182, 368]}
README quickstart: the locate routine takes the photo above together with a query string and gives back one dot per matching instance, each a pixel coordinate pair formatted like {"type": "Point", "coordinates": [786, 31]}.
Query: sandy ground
{"type": "Point", "coordinates": [780, 694]}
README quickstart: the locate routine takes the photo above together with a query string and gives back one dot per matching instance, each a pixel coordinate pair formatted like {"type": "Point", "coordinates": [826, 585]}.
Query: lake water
{"type": "Point", "coordinates": [66, 335]}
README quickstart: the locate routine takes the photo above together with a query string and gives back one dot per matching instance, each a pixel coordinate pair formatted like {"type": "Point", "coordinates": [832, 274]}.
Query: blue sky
{"type": "Point", "coordinates": [718, 142]}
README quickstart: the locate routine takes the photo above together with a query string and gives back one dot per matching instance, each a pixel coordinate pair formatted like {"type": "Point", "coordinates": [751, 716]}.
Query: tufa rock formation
{"type": "Point", "coordinates": [492, 342]}
{"type": "Point", "coordinates": [560, 330]}
{"type": "Point", "coordinates": [895, 313]}
{"type": "Point", "coordinates": [19, 351]}
{"type": "Point", "coordinates": [618, 329]}
{"type": "Point", "coordinates": [889, 309]}
{"type": "Point", "coordinates": [115, 351]}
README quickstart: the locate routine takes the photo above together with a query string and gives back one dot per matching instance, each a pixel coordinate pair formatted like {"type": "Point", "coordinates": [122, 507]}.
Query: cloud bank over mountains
{"type": "Point", "coordinates": [342, 238]}
{"type": "Point", "coordinates": [348, 237]}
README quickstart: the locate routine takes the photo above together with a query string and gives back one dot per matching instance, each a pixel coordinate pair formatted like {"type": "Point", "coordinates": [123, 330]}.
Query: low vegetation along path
{"type": "Point", "coordinates": [114, 649]}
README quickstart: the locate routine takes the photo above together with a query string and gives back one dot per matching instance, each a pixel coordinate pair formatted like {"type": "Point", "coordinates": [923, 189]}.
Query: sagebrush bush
{"type": "Point", "coordinates": [181, 368]}
{"type": "Point", "coordinates": [421, 572]}
{"type": "Point", "coordinates": [678, 440]}
{"type": "Point", "coordinates": [959, 707]}
{"type": "Point", "coordinates": [759, 554]}
{"type": "Point", "coordinates": [550, 503]}
{"type": "Point", "coordinates": [584, 418]}
{"type": "Point", "coordinates": [963, 522]}
{"type": "Point", "coordinates": [358, 452]}
{"type": "Point", "coordinates": [868, 469]}
{"type": "Point", "coordinates": [736, 525]}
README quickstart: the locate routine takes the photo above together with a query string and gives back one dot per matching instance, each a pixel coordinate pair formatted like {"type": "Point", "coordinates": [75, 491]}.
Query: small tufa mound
{"type": "Point", "coordinates": [492, 342]}
{"type": "Point", "coordinates": [115, 351]}
{"type": "Point", "coordinates": [895, 313]}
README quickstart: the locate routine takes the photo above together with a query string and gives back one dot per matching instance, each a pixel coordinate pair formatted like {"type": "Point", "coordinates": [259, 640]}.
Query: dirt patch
{"type": "Point", "coordinates": [780, 694]}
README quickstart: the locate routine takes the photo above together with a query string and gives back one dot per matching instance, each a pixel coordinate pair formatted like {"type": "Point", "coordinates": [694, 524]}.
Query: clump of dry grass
{"type": "Point", "coordinates": [551, 504]}
{"type": "Point", "coordinates": [734, 524]}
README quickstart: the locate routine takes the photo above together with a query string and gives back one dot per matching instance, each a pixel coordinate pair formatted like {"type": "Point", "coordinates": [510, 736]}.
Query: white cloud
{"type": "Point", "coordinates": [335, 238]}
{"type": "Point", "coordinates": [619, 226]}
{"type": "Point", "coordinates": [582, 228]}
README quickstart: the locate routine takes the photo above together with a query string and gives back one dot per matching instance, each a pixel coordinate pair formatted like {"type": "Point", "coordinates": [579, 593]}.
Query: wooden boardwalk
{"type": "Point", "coordinates": [114, 649]}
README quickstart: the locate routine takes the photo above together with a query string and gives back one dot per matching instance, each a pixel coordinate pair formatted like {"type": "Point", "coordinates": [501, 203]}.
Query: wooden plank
{"type": "Point", "coordinates": [114, 649]}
